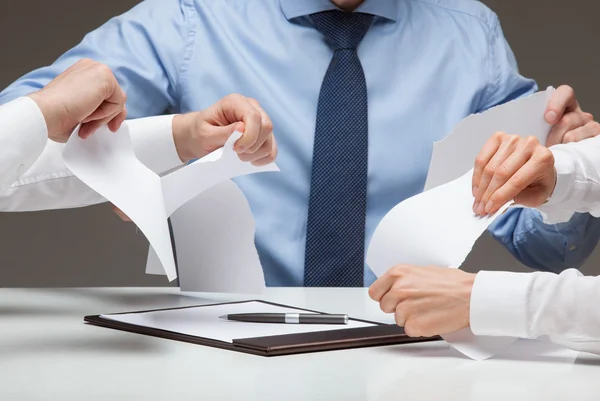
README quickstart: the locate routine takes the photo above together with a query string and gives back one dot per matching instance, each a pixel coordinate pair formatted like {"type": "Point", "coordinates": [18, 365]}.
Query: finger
{"type": "Point", "coordinates": [381, 286]}
{"type": "Point", "coordinates": [589, 130]}
{"type": "Point", "coordinates": [266, 128]}
{"type": "Point", "coordinates": [514, 188]}
{"type": "Point", "coordinates": [505, 171]}
{"type": "Point", "coordinates": [88, 129]}
{"type": "Point", "coordinates": [389, 302]}
{"type": "Point", "coordinates": [220, 135]}
{"type": "Point", "coordinates": [239, 109]}
{"type": "Point", "coordinates": [116, 122]}
{"type": "Point", "coordinates": [485, 155]}
{"type": "Point", "coordinates": [563, 100]}
{"type": "Point", "coordinates": [261, 152]}
{"type": "Point", "coordinates": [104, 110]}
{"type": "Point", "coordinates": [116, 94]}
{"type": "Point", "coordinates": [400, 316]}
{"type": "Point", "coordinates": [506, 149]}
{"type": "Point", "coordinates": [568, 122]}
{"type": "Point", "coordinates": [270, 158]}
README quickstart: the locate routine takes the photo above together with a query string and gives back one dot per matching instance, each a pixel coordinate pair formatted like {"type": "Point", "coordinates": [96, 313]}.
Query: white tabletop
{"type": "Point", "coordinates": [47, 352]}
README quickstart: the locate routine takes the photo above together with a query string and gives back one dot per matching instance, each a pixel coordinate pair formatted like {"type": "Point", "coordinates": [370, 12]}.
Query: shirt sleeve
{"type": "Point", "coordinates": [132, 45]}
{"type": "Point", "coordinates": [504, 82]}
{"type": "Point", "coordinates": [48, 184]}
{"type": "Point", "coordinates": [549, 247]}
{"type": "Point", "coordinates": [149, 72]}
{"type": "Point", "coordinates": [577, 181]}
{"type": "Point", "coordinates": [23, 136]}
{"type": "Point", "coordinates": [534, 305]}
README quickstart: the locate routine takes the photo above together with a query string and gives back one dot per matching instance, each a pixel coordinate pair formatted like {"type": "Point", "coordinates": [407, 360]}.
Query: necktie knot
{"type": "Point", "coordinates": [342, 30]}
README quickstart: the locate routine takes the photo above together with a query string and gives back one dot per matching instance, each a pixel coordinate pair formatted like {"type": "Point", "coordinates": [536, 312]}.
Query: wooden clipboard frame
{"type": "Point", "coordinates": [287, 344]}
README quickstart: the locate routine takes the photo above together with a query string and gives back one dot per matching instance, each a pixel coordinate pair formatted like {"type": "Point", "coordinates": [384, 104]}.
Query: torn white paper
{"type": "Point", "coordinates": [455, 154]}
{"type": "Point", "coordinates": [438, 227]}
{"type": "Point", "coordinates": [106, 162]}
{"type": "Point", "coordinates": [202, 267]}
{"type": "Point", "coordinates": [214, 243]}
{"type": "Point", "coordinates": [223, 164]}
{"type": "Point", "coordinates": [204, 321]}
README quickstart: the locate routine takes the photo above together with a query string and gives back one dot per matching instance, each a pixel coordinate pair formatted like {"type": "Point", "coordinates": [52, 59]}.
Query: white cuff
{"type": "Point", "coordinates": [152, 139]}
{"type": "Point", "coordinates": [556, 210]}
{"type": "Point", "coordinates": [499, 304]}
{"type": "Point", "coordinates": [23, 137]}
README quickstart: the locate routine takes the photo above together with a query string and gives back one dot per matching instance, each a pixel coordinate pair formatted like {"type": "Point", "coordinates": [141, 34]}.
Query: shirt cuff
{"type": "Point", "coordinates": [23, 138]}
{"type": "Point", "coordinates": [556, 210]}
{"type": "Point", "coordinates": [499, 304]}
{"type": "Point", "coordinates": [153, 142]}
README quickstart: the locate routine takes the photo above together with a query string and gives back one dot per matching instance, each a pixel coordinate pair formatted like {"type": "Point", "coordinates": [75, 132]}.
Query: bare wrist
{"type": "Point", "coordinates": [181, 136]}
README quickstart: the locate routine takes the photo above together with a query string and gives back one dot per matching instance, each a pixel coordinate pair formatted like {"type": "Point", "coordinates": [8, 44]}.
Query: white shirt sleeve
{"type": "Point", "coordinates": [23, 135]}
{"type": "Point", "coordinates": [560, 307]}
{"type": "Point", "coordinates": [48, 184]}
{"type": "Point", "coordinates": [577, 183]}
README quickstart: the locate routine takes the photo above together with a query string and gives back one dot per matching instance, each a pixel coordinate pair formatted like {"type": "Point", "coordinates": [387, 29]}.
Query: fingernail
{"type": "Point", "coordinates": [241, 149]}
{"type": "Point", "coordinates": [480, 208]}
{"type": "Point", "coordinates": [489, 206]}
{"type": "Point", "coordinates": [550, 116]}
{"type": "Point", "coordinates": [475, 205]}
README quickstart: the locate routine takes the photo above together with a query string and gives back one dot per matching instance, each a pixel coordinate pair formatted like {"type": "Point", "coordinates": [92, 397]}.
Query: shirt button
{"type": "Point", "coordinates": [572, 248]}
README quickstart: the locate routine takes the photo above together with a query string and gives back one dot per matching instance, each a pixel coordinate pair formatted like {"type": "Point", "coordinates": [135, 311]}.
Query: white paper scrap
{"type": "Point", "coordinates": [106, 163]}
{"type": "Point", "coordinates": [434, 228]}
{"type": "Point", "coordinates": [214, 243]}
{"type": "Point", "coordinates": [223, 164]}
{"type": "Point", "coordinates": [455, 154]}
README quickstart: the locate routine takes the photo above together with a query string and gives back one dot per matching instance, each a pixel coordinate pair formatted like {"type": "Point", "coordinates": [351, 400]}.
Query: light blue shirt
{"type": "Point", "coordinates": [428, 64]}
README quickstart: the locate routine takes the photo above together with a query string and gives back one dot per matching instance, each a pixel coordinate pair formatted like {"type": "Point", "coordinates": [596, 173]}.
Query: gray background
{"type": "Point", "coordinates": [555, 42]}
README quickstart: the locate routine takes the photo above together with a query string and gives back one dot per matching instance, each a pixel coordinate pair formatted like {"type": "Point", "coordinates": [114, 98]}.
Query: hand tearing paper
{"type": "Point", "coordinates": [438, 226]}
{"type": "Point", "coordinates": [106, 162]}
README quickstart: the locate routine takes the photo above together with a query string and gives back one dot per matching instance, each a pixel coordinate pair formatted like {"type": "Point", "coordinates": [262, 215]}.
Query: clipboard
{"type": "Point", "coordinates": [379, 334]}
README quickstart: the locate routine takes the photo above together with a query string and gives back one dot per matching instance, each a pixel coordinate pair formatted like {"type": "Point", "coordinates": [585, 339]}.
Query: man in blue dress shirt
{"type": "Point", "coordinates": [356, 100]}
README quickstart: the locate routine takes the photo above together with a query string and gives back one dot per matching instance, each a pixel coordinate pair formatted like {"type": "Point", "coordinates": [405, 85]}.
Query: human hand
{"type": "Point", "coordinates": [86, 93]}
{"type": "Point", "coordinates": [199, 133]}
{"type": "Point", "coordinates": [512, 167]}
{"type": "Point", "coordinates": [570, 123]}
{"type": "Point", "coordinates": [426, 301]}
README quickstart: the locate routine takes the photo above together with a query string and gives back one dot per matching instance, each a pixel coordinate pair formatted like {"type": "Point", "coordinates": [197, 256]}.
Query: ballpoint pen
{"type": "Point", "coordinates": [293, 318]}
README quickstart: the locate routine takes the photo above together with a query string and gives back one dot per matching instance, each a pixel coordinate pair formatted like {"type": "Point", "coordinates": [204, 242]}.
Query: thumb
{"type": "Point", "coordinates": [220, 135]}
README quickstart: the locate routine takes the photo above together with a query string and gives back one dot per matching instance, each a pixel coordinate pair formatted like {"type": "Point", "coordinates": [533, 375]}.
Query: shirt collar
{"type": "Point", "coordinates": [387, 9]}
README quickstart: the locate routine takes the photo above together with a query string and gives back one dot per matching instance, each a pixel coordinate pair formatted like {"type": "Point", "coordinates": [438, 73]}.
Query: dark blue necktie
{"type": "Point", "coordinates": [335, 231]}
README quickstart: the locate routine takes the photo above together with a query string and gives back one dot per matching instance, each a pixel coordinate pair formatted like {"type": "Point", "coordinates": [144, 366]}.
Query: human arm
{"type": "Point", "coordinates": [23, 135]}
{"type": "Point", "coordinates": [552, 247]}
{"type": "Point", "coordinates": [48, 184]}
{"type": "Point", "coordinates": [559, 181]}
{"type": "Point", "coordinates": [147, 48]}
{"type": "Point", "coordinates": [432, 300]}
{"type": "Point", "coordinates": [87, 93]}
